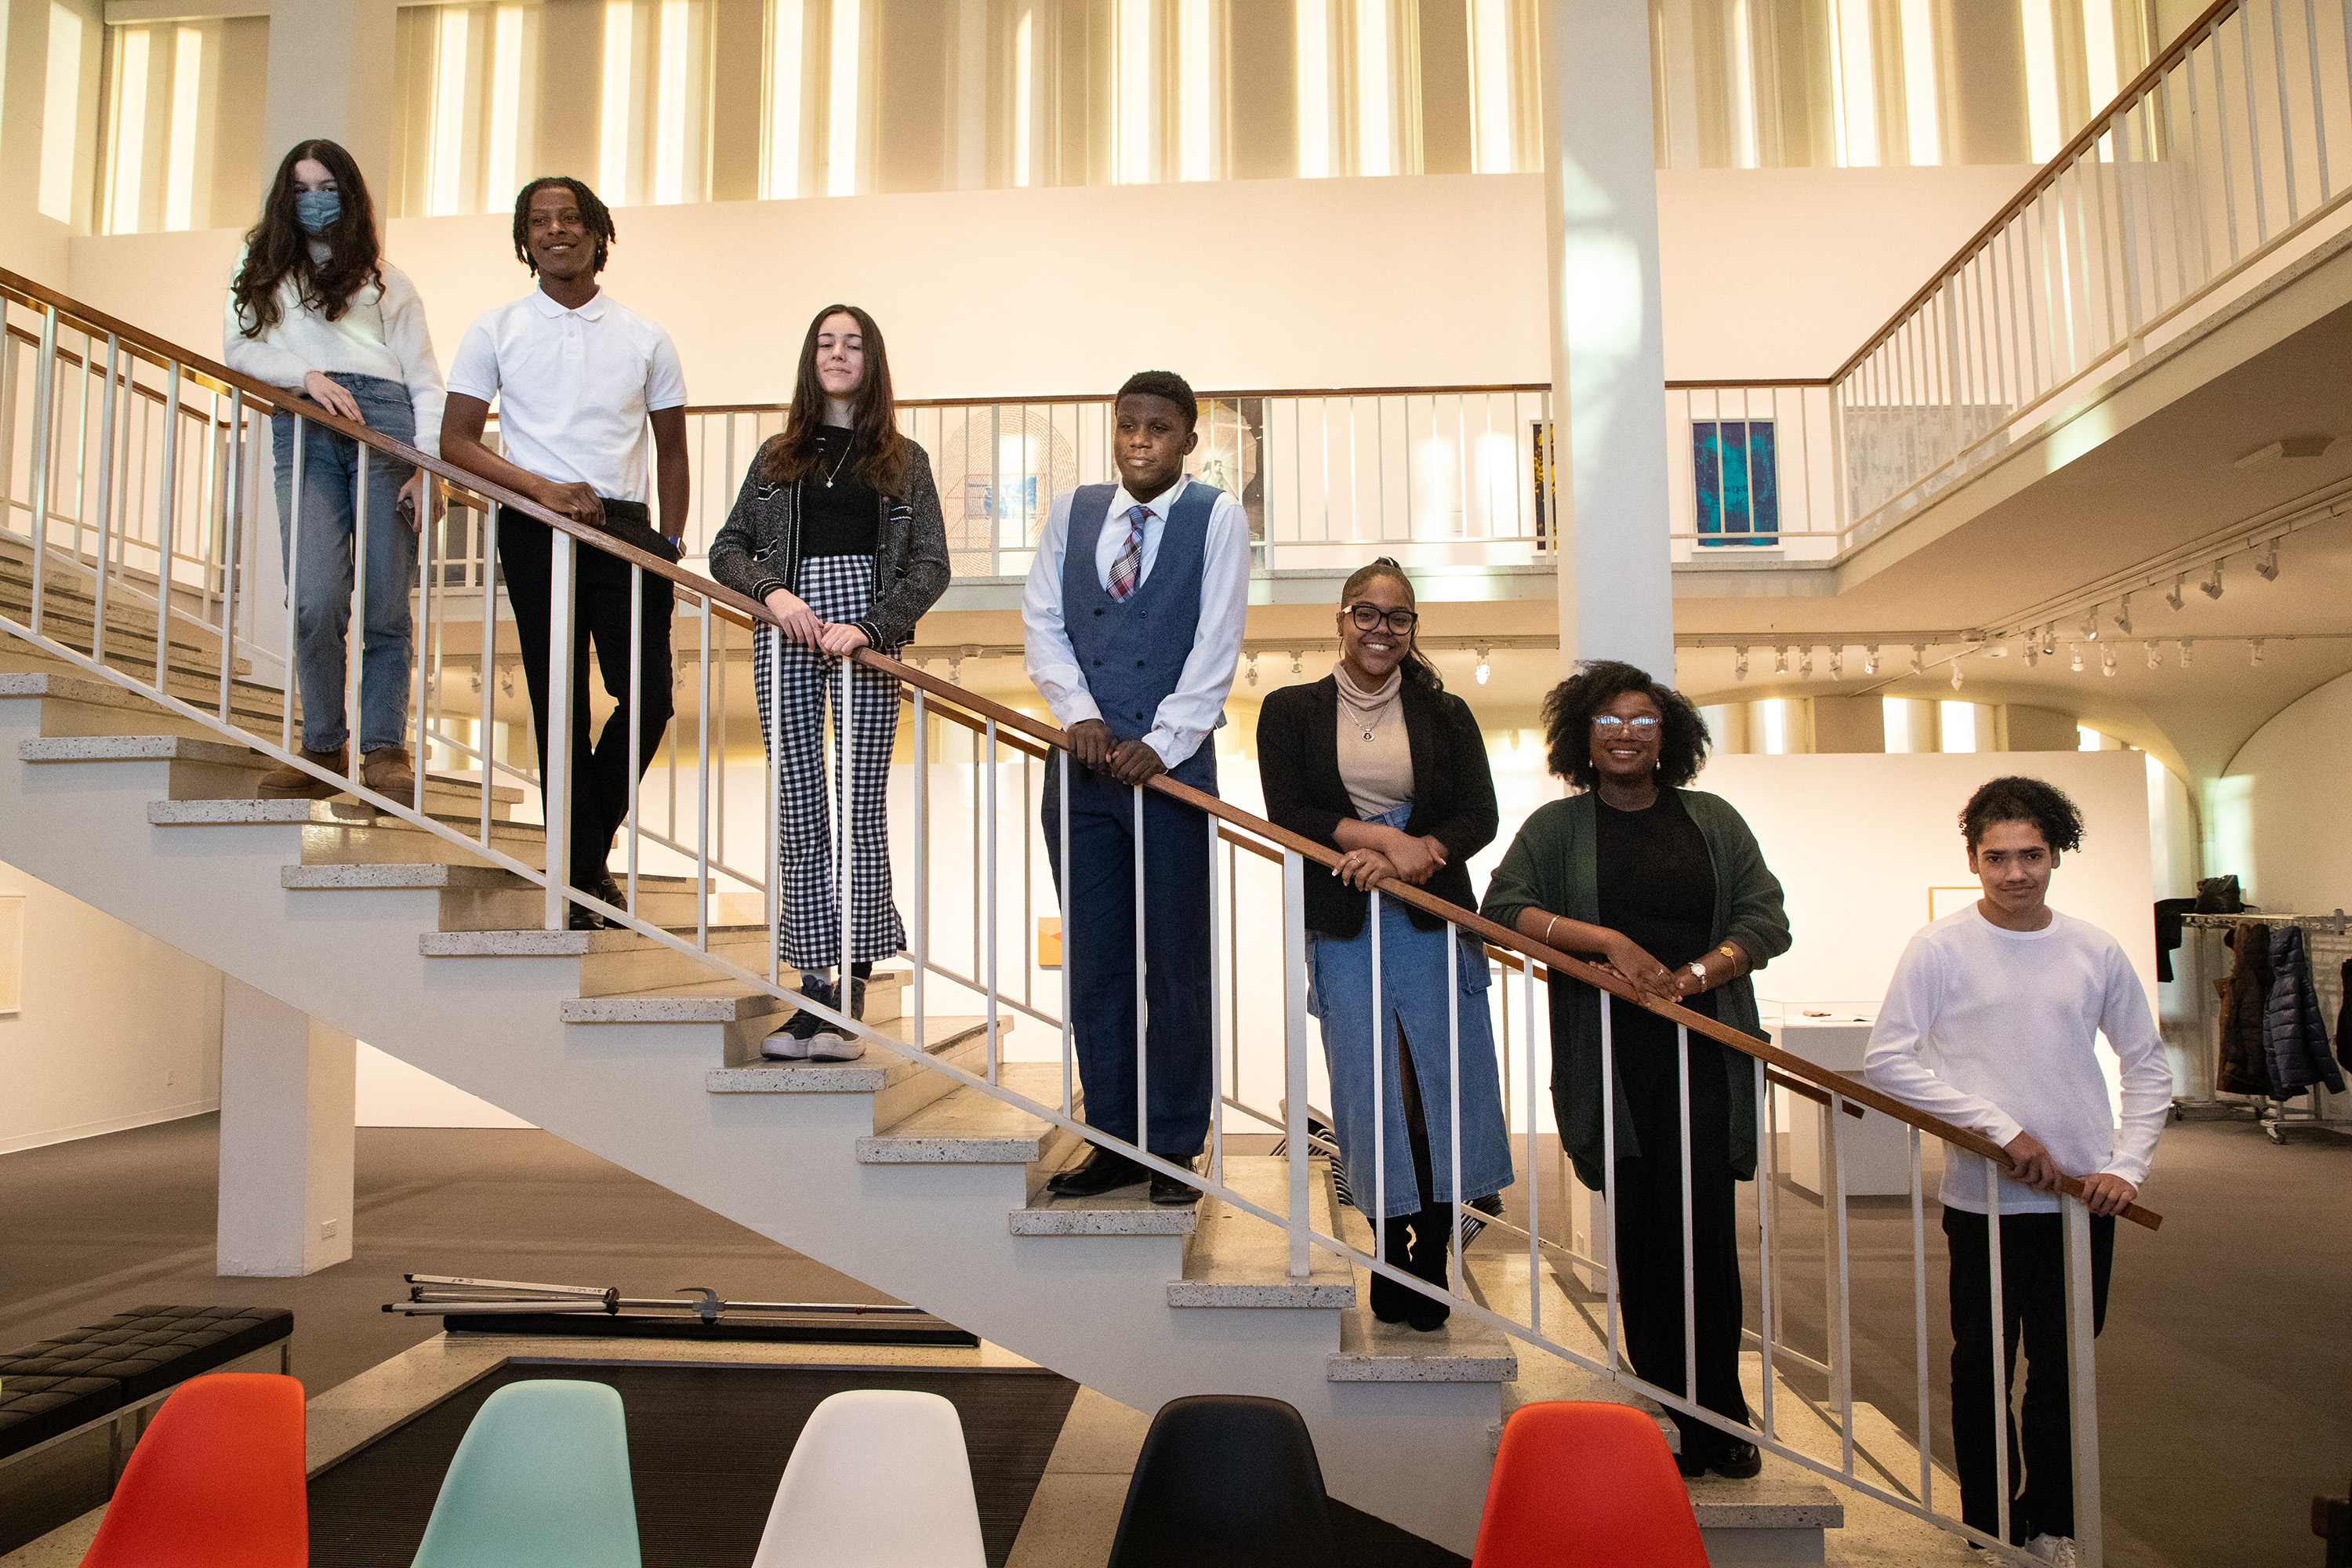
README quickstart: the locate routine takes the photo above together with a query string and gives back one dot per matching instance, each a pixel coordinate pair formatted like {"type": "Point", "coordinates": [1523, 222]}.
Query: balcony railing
{"type": "Point", "coordinates": [164, 580]}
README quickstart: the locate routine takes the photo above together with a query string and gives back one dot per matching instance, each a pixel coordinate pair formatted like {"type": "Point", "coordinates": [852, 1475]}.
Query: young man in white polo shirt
{"type": "Point", "coordinates": [579, 381]}
{"type": "Point", "coordinates": [1990, 1023]}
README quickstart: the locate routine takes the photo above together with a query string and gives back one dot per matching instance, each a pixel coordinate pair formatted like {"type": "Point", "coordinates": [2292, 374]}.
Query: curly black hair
{"type": "Point", "coordinates": [1568, 723]}
{"type": "Point", "coordinates": [594, 215]}
{"type": "Point", "coordinates": [2016, 798]}
{"type": "Point", "coordinates": [1164, 384]}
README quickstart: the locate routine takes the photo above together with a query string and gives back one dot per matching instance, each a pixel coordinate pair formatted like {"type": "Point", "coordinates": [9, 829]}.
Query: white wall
{"type": "Point", "coordinates": [2277, 814]}
{"type": "Point", "coordinates": [391, 1093]}
{"type": "Point", "coordinates": [114, 1030]}
{"type": "Point", "coordinates": [1857, 840]}
{"type": "Point", "coordinates": [1436, 279]}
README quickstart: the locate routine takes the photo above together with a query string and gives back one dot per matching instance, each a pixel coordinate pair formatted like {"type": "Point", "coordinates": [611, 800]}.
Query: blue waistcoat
{"type": "Point", "coordinates": [1132, 655]}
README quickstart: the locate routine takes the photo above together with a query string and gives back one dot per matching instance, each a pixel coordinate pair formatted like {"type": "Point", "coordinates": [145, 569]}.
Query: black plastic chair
{"type": "Point", "coordinates": [1227, 1480]}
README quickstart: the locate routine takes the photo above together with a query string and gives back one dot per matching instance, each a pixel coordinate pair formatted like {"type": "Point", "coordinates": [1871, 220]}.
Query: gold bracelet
{"type": "Point", "coordinates": [1732, 953]}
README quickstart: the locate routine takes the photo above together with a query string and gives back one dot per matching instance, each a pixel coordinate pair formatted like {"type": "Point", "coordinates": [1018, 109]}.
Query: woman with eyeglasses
{"type": "Point", "coordinates": [1664, 885]}
{"type": "Point", "coordinates": [1380, 761]}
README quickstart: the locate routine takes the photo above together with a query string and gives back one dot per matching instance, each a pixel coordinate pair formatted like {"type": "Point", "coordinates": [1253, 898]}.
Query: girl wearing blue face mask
{"type": "Point", "coordinates": [314, 308]}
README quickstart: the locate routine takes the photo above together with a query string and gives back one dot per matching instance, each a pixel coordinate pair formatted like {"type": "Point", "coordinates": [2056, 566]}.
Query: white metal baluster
{"type": "Point", "coordinates": [1608, 1156]}
{"type": "Point", "coordinates": [2285, 111]}
{"type": "Point", "coordinates": [1029, 895]}
{"type": "Point", "coordinates": [2222, 130]}
{"type": "Point", "coordinates": [1069, 933]}
{"type": "Point", "coordinates": [2082, 1378]}
{"type": "Point", "coordinates": [168, 487]}
{"type": "Point", "coordinates": [923, 864]}
{"type": "Point", "coordinates": [637, 718]}
{"type": "Point", "coordinates": [1766, 1179]}
{"type": "Point", "coordinates": [2000, 1350]}
{"type": "Point", "coordinates": [1380, 1064]}
{"type": "Point", "coordinates": [1842, 1320]}
{"type": "Point", "coordinates": [1218, 974]}
{"type": "Point", "coordinates": [2254, 125]}
{"type": "Point", "coordinates": [702, 786]}
{"type": "Point", "coordinates": [2318, 98]}
{"type": "Point", "coordinates": [424, 633]}
{"type": "Point", "coordinates": [1142, 1000]}
{"type": "Point", "coordinates": [771, 895]}
{"type": "Point", "coordinates": [1690, 1275]}
{"type": "Point", "coordinates": [555, 767]}
{"type": "Point", "coordinates": [1920, 1316]}
{"type": "Point", "coordinates": [44, 411]}
{"type": "Point", "coordinates": [844, 727]}
{"type": "Point", "coordinates": [1535, 1216]}
{"type": "Point", "coordinates": [106, 488]}
{"type": "Point", "coordinates": [356, 648]}
{"type": "Point", "coordinates": [987, 880]}
{"type": "Point", "coordinates": [1459, 1270]}
{"type": "Point", "coordinates": [1293, 1048]}
{"type": "Point", "coordinates": [485, 661]}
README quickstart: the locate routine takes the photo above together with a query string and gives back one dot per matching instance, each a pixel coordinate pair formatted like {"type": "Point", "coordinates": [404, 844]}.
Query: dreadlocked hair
{"type": "Point", "coordinates": [595, 216]}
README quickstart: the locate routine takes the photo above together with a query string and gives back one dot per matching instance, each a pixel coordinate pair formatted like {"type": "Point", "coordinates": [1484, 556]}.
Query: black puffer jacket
{"type": "Point", "coordinates": [2294, 1036]}
{"type": "Point", "coordinates": [2243, 1065]}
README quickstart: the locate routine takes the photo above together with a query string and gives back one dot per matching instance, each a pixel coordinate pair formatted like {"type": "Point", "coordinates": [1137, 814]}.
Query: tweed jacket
{"type": "Point", "coordinates": [759, 549]}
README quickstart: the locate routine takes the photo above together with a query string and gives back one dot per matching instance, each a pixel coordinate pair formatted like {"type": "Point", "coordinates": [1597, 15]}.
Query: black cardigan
{"type": "Point", "coordinates": [1453, 792]}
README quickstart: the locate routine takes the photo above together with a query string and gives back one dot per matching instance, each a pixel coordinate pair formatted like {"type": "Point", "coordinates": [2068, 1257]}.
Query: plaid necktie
{"type": "Point", "coordinates": [1128, 567]}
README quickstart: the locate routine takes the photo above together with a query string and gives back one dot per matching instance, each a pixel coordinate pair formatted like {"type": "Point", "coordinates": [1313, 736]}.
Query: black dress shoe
{"type": "Point", "coordinates": [610, 891]}
{"type": "Point", "coordinates": [581, 918]}
{"type": "Point", "coordinates": [1738, 1461]}
{"type": "Point", "coordinates": [1172, 1192]}
{"type": "Point", "coordinates": [1102, 1170]}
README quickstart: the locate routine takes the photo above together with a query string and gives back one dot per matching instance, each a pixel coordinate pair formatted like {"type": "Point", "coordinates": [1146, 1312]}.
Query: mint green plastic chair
{"type": "Point", "coordinates": [539, 1480]}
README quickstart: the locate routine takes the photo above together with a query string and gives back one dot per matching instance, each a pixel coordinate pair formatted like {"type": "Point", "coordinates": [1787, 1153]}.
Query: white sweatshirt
{"type": "Point", "coordinates": [1994, 1030]}
{"type": "Point", "coordinates": [382, 333]}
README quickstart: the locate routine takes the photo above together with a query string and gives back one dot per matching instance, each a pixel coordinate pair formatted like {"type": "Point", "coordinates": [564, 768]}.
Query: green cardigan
{"type": "Point", "coordinates": [1551, 867]}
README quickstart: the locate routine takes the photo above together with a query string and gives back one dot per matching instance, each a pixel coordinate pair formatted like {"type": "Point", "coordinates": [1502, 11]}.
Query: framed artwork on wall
{"type": "Point", "coordinates": [11, 955]}
{"type": "Point", "coordinates": [1736, 465]}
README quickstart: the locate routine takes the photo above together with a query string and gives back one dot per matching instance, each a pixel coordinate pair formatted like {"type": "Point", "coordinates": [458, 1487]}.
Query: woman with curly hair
{"type": "Point", "coordinates": [1665, 886]}
{"type": "Point", "coordinates": [314, 308]}
{"type": "Point", "coordinates": [837, 530]}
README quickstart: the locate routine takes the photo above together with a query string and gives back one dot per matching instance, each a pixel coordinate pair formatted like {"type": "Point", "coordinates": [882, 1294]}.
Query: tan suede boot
{"type": "Point", "coordinates": [388, 771]}
{"type": "Point", "coordinates": [286, 781]}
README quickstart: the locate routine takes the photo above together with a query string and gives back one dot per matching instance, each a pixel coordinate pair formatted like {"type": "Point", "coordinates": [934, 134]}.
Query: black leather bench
{"type": "Point", "coordinates": [127, 1363]}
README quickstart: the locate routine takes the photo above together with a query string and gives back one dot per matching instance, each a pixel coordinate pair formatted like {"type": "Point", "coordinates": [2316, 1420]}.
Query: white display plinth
{"type": "Point", "coordinates": [1877, 1149]}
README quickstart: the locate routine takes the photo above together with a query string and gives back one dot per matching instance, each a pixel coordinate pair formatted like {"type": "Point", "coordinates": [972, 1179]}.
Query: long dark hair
{"type": "Point", "coordinates": [278, 247]}
{"type": "Point", "coordinates": [1568, 723]}
{"type": "Point", "coordinates": [1416, 667]}
{"type": "Point", "coordinates": [882, 455]}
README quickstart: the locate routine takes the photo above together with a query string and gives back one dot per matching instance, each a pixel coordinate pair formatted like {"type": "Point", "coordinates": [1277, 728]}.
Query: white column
{"type": "Point", "coordinates": [330, 76]}
{"type": "Point", "coordinates": [287, 1102]}
{"type": "Point", "coordinates": [1608, 344]}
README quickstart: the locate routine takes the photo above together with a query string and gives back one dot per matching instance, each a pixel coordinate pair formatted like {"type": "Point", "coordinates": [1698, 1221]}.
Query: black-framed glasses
{"type": "Point", "coordinates": [1368, 617]}
{"type": "Point", "coordinates": [1608, 726]}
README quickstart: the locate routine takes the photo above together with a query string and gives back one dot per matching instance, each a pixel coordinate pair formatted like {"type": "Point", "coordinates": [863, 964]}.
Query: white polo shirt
{"type": "Point", "coordinates": [573, 389]}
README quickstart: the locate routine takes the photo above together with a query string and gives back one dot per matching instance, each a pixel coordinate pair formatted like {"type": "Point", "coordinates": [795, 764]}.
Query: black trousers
{"type": "Point", "coordinates": [600, 616]}
{"type": "Point", "coordinates": [2033, 1311]}
{"type": "Point", "coordinates": [1649, 1233]}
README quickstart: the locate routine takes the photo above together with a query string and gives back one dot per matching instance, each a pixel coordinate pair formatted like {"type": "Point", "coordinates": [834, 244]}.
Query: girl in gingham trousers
{"type": "Point", "coordinates": [838, 532]}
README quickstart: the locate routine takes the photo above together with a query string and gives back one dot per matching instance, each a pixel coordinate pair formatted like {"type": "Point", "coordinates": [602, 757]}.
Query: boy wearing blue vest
{"type": "Point", "coordinates": [1133, 619]}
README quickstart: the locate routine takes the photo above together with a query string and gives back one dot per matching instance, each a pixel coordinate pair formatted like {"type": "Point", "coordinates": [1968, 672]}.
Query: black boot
{"type": "Point", "coordinates": [1428, 1262]}
{"type": "Point", "coordinates": [1393, 1302]}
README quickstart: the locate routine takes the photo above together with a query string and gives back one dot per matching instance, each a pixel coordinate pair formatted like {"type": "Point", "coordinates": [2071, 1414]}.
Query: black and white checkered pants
{"type": "Point", "coordinates": [797, 688]}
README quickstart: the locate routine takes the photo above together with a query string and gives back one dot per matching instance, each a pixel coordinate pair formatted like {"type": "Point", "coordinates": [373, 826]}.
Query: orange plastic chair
{"type": "Point", "coordinates": [215, 1481]}
{"type": "Point", "coordinates": [1580, 1485]}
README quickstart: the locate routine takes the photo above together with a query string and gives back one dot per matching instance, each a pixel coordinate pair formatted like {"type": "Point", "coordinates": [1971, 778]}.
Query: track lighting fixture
{"type": "Point", "coordinates": [1739, 664]}
{"type": "Point", "coordinates": [2180, 581]}
{"type": "Point", "coordinates": [2254, 652]}
{"type": "Point", "coordinates": [1869, 659]}
{"type": "Point", "coordinates": [1805, 662]}
{"type": "Point", "coordinates": [955, 671]}
{"type": "Point", "coordinates": [1781, 660]}
{"type": "Point", "coordinates": [2212, 588]}
{"type": "Point", "coordinates": [2268, 565]}
{"type": "Point", "coordinates": [1253, 670]}
{"type": "Point", "coordinates": [2123, 615]}
{"type": "Point", "coordinates": [2188, 651]}
{"type": "Point", "coordinates": [1918, 659]}
{"type": "Point", "coordinates": [2108, 659]}
{"type": "Point", "coordinates": [506, 681]}
{"type": "Point", "coordinates": [478, 678]}
{"type": "Point", "coordinates": [1956, 671]}
{"type": "Point", "coordinates": [2032, 653]}
{"type": "Point", "coordinates": [2090, 623]}
{"type": "Point", "coordinates": [2077, 648]}
{"type": "Point", "coordinates": [1297, 664]}
{"type": "Point", "coordinates": [2050, 638]}
{"type": "Point", "coordinates": [1837, 662]}
{"type": "Point", "coordinates": [2155, 659]}
{"type": "Point", "coordinates": [1483, 671]}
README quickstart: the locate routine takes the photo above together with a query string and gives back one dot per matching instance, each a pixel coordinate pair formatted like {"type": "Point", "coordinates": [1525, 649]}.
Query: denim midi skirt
{"type": "Point", "coordinates": [1413, 983]}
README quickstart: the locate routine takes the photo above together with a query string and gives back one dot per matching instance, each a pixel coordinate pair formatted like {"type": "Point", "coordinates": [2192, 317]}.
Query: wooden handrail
{"type": "Point", "coordinates": [2044, 177]}
{"type": "Point", "coordinates": [747, 610]}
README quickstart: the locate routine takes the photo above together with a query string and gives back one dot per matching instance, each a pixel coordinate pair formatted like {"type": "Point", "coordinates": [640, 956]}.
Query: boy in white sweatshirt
{"type": "Point", "coordinates": [1990, 1022]}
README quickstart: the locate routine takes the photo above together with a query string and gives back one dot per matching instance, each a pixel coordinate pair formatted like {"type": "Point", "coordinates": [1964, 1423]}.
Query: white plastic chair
{"type": "Point", "coordinates": [879, 1478]}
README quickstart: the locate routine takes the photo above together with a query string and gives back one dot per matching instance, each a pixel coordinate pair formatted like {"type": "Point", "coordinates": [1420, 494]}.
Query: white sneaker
{"type": "Point", "coordinates": [2057, 1548]}
{"type": "Point", "coordinates": [829, 1046]}
{"type": "Point", "coordinates": [782, 1047]}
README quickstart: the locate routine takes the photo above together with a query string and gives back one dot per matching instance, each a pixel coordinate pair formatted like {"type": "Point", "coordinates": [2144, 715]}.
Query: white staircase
{"type": "Point", "coordinates": [882, 1168]}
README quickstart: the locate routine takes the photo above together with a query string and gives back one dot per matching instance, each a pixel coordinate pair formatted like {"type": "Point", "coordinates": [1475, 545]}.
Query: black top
{"type": "Point", "coordinates": [1657, 887]}
{"type": "Point", "coordinates": [840, 518]}
{"type": "Point", "coordinates": [1453, 792]}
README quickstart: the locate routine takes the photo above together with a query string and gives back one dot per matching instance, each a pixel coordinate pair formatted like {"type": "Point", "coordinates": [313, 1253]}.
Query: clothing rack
{"type": "Point", "coordinates": [2327, 942]}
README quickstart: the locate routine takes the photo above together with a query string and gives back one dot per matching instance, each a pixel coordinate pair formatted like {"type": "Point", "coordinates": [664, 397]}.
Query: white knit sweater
{"type": "Point", "coordinates": [382, 333]}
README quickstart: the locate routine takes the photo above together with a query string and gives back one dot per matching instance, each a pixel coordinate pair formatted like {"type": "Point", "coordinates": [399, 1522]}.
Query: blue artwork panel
{"type": "Point", "coordinates": [1736, 463]}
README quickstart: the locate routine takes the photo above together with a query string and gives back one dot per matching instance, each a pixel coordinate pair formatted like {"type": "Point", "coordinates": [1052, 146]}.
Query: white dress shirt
{"type": "Point", "coordinates": [1994, 1030]}
{"type": "Point", "coordinates": [382, 333]}
{"type": "Point", "coordinates": [574, 388]}
{"type": "Point", "coordinates": [1186, 715]}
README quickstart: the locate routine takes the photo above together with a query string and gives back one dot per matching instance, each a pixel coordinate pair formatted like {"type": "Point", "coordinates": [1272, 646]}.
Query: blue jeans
{"type": "Point", "coordinates": [1414, 1016]}
{"type": "Point", "coordinates": [327, 516]}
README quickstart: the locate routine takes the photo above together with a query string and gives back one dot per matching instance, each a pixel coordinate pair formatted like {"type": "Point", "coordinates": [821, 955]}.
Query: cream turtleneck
{"type": "Point", "coordinates": [1375, 759]}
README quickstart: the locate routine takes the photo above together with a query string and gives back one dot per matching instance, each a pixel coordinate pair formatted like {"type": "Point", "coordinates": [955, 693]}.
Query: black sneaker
{"type": "Point", "coordinates": [832, 1042]}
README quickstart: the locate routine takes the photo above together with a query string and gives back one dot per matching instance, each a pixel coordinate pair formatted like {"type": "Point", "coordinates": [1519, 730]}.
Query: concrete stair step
{"type": "Point", "coordinates": [1240, 1261]}
{"type": "Point", "coordinates": [719, 1001]}
{"type": "Point", "coordinates": [966, 1126]}
{"type": "Point", "coordinates": [900, 1085]}
{"type": "Point", "coordinates": [77, 704]}
{"type": "Point", "coordinates": [138, 749]}
{"type": "Point", "coordinates": [1127, 1211]}
{"type": "Point", "coordinates": [1464, 1350]}
{"type": "Point", "coordinates": [338, 831]}
{"type": "Point", "coordinates": [611, 962]}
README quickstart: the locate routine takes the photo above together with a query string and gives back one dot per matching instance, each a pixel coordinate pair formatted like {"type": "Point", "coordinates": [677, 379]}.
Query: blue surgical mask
{"type": "Point", "coordinates": [317, 210]}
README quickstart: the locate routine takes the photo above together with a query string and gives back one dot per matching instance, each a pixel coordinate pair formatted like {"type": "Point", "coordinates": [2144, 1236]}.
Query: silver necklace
{"type": "Point", "coordinates": [1369, 730]}
{"type": "Point", "coordinates": [844, 461]}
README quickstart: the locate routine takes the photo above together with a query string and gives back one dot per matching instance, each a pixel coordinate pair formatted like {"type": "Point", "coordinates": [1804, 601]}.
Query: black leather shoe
{"type": "Point", "coordinates": [1172, 1192]}
{"type": "Point", "coordinates": [1738, 1461]}
{"type": "Point", "coordinates": [611, 892]}
{"type": "Point", "coordinates": [581, 918]}
{"type": "Point", "coordinates": [1102, 1170]}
